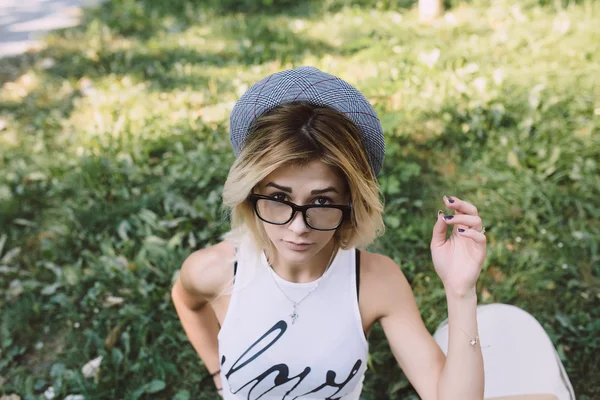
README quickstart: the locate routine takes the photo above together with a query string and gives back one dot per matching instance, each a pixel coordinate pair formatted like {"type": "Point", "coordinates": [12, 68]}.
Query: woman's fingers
{"type": "Point", "coordinates": [438, 237]}
{"type": "Point", "coordinates": [460, 206]}
{"type": "Point", "coordinates": [466, 222]}
{"type": "Point", "coordinates": [473, 234]}
{"type": "Point", "coordinates": [469, 221]}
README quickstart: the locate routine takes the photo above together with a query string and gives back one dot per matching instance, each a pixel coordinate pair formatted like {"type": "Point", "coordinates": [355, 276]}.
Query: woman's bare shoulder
{"type": "Point", "coordinates": [377, 267]}
{"type": "Point", "coordinates": [208, 271]}
{"type": "Point", "coordinates": [381, 279]}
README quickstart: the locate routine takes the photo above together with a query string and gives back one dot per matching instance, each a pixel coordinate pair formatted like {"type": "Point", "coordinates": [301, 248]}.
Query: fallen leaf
{"type": "Point", "coordinates": [92, 366]}
{"type": "Point", "coordinates": [113, 301]}
{"type": "Point", "coordinates": [496, 273]}
{"type": "Point", "coordinates": [485, 294]}
{"type": "Point", "coordinates": [49, 393]}
{"type": "Point", "coordinates": [513, 160]}
{"type": "Point", "coordinates": [113, 336]}
{"type": "Point", "coordinates": [10, 397]}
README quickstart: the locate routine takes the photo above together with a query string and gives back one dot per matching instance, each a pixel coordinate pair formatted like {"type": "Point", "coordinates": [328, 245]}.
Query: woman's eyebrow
{"type": "Point", "coordinates": [289, 189]}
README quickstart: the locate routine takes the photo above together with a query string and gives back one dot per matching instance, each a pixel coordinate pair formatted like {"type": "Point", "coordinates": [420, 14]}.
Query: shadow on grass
{"type": "Point", "coordinates": [130, 18]}
{"type": "Point", "coordinates": [160, 66]}
{"type": "Point", "coordinates": [152, 19]}
{"type": "Point", "coordinates": [251, 40]}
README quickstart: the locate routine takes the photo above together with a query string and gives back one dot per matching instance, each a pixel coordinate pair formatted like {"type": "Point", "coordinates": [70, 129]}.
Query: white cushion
{"type": "Point", "coordinates": [519, 357]}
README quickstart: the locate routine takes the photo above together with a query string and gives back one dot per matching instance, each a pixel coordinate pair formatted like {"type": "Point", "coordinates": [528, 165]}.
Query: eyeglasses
{"type": "Point", "coordinates": [280, 212]}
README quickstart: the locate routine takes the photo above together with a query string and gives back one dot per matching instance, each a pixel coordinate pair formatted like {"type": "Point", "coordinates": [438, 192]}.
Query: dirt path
{"type": "Point", "coordinates": [24, 22]}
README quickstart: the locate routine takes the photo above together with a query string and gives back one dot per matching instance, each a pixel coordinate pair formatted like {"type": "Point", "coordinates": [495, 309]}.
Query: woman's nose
{"type": "Point", "coordinates": [297, 224]}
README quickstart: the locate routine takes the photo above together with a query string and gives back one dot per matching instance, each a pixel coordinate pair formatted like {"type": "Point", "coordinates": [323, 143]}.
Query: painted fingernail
{"type": "Point", "coordinates": [450, 199]}
{"type": "Point", "coordinates": [448, 217]}
{"type": "Point", "coordinates": [461, 230]}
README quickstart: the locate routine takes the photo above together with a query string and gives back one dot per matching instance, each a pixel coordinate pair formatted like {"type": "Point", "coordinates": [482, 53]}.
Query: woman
{"type": "Point", "coordinates": [282, 308]}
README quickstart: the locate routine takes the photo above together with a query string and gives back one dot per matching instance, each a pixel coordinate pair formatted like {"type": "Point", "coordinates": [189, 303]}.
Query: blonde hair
{"type": "Point", "coordinates": [296, 134]}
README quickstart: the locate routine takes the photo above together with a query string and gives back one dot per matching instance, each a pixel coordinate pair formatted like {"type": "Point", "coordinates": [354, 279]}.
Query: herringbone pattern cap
{"type": "Point", "coordinates": [316, 87]}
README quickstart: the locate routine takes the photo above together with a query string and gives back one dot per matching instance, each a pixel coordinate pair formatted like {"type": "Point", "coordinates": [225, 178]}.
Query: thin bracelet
{"type": "Point", "coordinates": [473, 342]}
{"type": "Point", "coordinates": [211, 375]}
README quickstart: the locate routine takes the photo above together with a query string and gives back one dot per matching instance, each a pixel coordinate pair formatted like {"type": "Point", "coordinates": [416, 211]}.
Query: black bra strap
{"type": "Point", "coordinates": [234, 270]}
{"type": "Point", "coordinates": [357, 272]}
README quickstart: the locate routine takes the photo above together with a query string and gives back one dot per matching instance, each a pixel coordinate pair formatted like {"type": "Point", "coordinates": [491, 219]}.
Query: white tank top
{"type": "Point", "coordinates": [322, 355]}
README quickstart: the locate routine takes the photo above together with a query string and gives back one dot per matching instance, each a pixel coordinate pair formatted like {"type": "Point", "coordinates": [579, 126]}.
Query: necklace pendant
{"type": "Point", "coordinates": [294, 315]}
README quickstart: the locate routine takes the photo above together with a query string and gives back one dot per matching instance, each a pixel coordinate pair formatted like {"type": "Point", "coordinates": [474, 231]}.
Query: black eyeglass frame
{"type": "Point", "coordinates": [346, 210]}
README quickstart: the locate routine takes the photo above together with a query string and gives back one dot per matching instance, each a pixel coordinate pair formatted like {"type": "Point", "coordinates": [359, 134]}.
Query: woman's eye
{"type": "Point", "coordinates": [278, 196]}
{"type": "Point", "coordinates": [322, 201]}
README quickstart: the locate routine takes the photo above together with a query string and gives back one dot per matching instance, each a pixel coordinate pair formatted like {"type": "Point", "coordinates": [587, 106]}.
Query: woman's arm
{"type": "Point", "coordinates": [457, 260]}
{"type": "Point", "coordinates": [462, 376]}
{"type": "Point", "coordinates": [202, 276]}
{"type": "Point", "coordinates": [434, 377]}
{"type": "Point", "coordinates": [200, 325]}
{"type": "Point", "coordinates": [386, 296]}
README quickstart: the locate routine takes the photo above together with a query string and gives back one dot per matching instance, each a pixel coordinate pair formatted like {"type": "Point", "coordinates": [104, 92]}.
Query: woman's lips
{"type": "Point", "coordinates": [295, 246]}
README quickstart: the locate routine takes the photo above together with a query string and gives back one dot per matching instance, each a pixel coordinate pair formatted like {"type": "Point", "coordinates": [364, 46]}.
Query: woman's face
{"type": "Point", "coordinates": [296, 184]}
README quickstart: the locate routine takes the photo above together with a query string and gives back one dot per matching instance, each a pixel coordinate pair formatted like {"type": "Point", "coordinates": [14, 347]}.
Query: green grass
{"type": "Point", "coordinates": [114, 149]}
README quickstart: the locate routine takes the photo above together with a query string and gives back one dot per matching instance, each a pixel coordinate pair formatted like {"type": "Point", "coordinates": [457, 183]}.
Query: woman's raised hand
{"type": "Point", "coordinates": [458, 259]}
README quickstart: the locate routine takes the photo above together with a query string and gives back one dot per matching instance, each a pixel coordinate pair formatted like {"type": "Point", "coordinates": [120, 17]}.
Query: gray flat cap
{"type": "Point", "coordinates": [313, 86]}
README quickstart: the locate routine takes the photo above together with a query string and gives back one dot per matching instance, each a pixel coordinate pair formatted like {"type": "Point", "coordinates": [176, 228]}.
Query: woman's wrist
{"type": "Point", "coordinates": [217, 382]}
{"type": "Point", "coordinates": [463, 294]}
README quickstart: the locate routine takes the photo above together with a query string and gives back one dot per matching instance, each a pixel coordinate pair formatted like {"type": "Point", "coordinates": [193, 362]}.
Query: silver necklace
{"type": "Point", "coordinates": [294, 315]}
